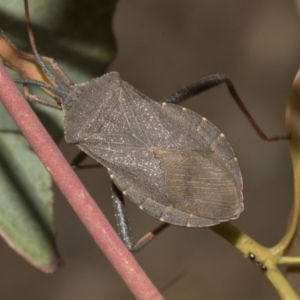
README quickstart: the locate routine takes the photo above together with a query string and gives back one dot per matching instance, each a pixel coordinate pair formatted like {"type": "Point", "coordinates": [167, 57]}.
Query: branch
{"type": "Point", "coordinates": [74, 191]}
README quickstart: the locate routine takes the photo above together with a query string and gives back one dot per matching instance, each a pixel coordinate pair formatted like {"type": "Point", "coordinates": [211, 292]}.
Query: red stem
{"type": "Point", "coordinates": [74, 191]}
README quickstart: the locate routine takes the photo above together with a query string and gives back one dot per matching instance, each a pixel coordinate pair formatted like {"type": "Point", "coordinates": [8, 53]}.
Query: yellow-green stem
{"type": "Point", "coordinates": [247, 245]}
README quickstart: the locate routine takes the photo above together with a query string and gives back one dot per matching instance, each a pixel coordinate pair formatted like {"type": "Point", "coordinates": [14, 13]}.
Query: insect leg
{"type": "Point", "coordinates": [123, 223]}
{"type": "Point", "coordinates": [121, 217]}
{"type": "Point", "coordinates": [34, 98]}
{"type": "Point", "coordinates": [59, 72]}
{"type": "Point", "coordinates": [57, 92]}
{"type": "Point", "coordinates": [77, 160]}
{"type": "Point", "coordinates": [41, 100]}
{"type": "Point", "coordinates": [210, 82]}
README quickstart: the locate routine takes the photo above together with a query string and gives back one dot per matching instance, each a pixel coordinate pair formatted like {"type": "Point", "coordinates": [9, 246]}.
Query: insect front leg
{"type": "Point", "coordinates": [213, 81]}
{"type": "Point", "coordinates": [79, 158]}
{"type": "Point", "coordinates": [60, 72]}
{"type": "Point", "coordinates": [123, 223]}
{"type": "Point", "coordinates": [34, 98]}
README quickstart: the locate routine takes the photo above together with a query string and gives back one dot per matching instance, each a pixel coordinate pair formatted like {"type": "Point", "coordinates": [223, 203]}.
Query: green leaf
{"type": "Point", "coordinates": [26, 205]}
{"type": "Point", "coordinates": [78, 35]}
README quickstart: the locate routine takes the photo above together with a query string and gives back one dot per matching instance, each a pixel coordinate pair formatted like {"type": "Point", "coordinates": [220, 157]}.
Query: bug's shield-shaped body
{"type": "Point", "coordinates": [171, 162]}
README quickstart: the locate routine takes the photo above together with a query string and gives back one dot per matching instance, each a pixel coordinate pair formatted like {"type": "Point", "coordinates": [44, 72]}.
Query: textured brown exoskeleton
{"type": "Point", "coordinates": [168, 160]}
{"type": "Point", "coordinates": [171, 162]}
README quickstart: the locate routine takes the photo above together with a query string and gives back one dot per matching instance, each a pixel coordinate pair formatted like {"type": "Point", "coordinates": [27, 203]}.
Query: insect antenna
{"type": "Point", "coordinates": [37, 56]}
{"type": "Point", "coordinates": [62, 85]}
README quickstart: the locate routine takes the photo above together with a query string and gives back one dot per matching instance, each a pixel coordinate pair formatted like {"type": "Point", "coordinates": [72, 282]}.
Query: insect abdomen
{"type": "Point", "coordinates": [171, 162]}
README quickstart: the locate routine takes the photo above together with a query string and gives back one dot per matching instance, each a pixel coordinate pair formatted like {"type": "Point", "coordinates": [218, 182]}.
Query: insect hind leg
{"type": "Point", "coordinates": [123, 223]}
{"type": "Point", "coordinates": [214, 80]}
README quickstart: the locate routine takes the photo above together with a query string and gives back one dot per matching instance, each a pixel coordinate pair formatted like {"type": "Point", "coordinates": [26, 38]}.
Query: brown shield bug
{"type": "Point", "coordinates": [171, 162]}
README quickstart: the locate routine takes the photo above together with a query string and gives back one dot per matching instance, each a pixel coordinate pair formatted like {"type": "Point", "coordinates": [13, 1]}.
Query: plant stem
{"type": "Point", "coordinates": [74, 191]}
{"type": "Point", "coordinates": [289, 260]}
{"type": "Point", "coordinates": [247, 245]}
